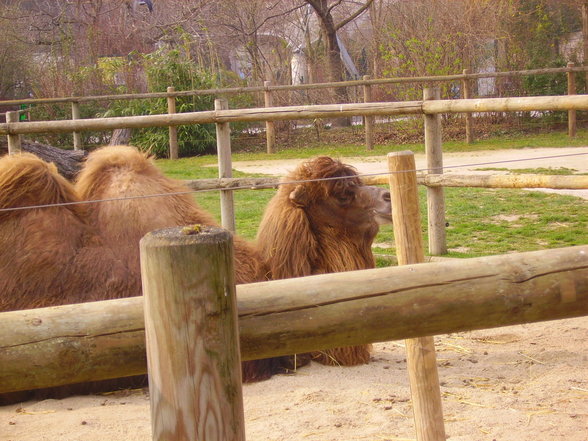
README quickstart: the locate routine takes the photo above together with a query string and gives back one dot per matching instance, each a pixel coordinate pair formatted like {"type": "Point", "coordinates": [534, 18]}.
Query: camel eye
{"type": "Point", "coordinates": [346, 197]}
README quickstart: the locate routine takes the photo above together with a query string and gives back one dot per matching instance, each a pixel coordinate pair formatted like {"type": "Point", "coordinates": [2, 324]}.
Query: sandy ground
{"type": "Point", "coordinates": [527, 382]}
{"type": "Point", "coordinates": [524, 383]}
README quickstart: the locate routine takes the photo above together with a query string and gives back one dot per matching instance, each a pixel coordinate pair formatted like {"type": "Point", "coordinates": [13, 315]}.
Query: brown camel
{"type": "Point", "coordinates": [56, 255]}
{"type": "Point", "coordinates": [314, 228]}
{"type": "Point", "coordinates": [124, 172]}
{"type": "Point", "coordinates": [51, 256]}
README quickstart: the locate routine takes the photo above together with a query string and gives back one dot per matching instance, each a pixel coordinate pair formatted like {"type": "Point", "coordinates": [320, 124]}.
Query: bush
{"type": "Point", "coordinates": [165, 68]}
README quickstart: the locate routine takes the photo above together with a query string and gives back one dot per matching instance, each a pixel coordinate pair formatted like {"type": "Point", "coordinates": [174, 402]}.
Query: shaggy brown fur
{"type": "Point", "coordinates": [123, 171]}
{"type": "Point", "coordinates": [51, 256]}
{"type": "Point", "coordinates": [313, 228]}
{"type": "Point", "coordinates": [69, 254]}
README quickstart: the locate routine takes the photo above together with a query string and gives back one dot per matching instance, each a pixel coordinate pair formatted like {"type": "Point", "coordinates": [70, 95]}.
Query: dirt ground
{"type": "Point", "coordinates": [527, 382]}
{"type": "Point", "coordinates": [523, 383]}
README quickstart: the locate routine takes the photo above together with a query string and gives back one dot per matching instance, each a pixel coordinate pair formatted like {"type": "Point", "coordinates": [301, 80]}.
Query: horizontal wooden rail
{"type": "Point", "coordinates": [214, 116]}
{"type": "Point", "coordinates": [578, 102]}
{"type": "Point", "coordinates": [91, 341]}
{"type": "Point", "coordinates": [313, 86]}
{"type": "Point", "coordinates": [559, 182]}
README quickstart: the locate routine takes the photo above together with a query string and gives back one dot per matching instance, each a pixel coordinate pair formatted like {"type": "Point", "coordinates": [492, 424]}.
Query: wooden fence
{"type": "Point", "coordinates": [430, 108]}
{"type": "Point", "coordinates": [269, 90]}
{"type": "Point", "coordinates": [508, 289]}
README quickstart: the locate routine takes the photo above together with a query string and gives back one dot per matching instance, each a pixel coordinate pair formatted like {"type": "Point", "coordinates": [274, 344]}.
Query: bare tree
{"type": "Point", "coordinates": [324, 10]}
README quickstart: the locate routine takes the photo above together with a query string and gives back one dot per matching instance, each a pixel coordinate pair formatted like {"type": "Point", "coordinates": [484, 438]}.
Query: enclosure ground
{"type": "Point", "coordinates": [524, 383]}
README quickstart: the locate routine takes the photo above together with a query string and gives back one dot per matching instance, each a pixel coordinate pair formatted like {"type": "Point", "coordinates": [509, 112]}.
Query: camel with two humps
{"type": "Point", "coordinates": [78, 253]}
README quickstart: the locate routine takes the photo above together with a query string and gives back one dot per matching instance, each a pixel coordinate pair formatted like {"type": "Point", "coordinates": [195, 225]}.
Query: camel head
{"type": "Point", "coordinates": [343, 204]}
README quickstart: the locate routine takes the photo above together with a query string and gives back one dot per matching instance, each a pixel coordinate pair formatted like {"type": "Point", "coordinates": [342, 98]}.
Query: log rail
{"type": "Point", "coordinates": [91, 341]}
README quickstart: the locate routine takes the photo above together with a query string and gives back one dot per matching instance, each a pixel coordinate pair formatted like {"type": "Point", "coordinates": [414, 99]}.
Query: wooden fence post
{"type": "Point", "coordinates": [571, 113]}
{"type": "Point", "coordinates": [173, 130]}
{"type": "Point", "coordinates": [421, 359]}
{"type": "Point", "coordinates": [14, 144]}
{"type": "Point", "coordinates": [191, 332]}
{"type": "Point", "coordinates": [368, 120]}
{"type": "Point", "coordinates": [466, 94]}
{"type": "Point", "coordinates": [223, 146]}
{"type": "Point", "coordinates": [77, 136]}
{"type": "Point", "coordinates": [270, 128]}
{"type": "Point", "coordinates": [435, 196]}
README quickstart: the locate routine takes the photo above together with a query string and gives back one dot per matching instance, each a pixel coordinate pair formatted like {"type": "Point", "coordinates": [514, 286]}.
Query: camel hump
{"type": "Point", "coordinates": [118, 156]}
{"type": "Point", "coordinates": [27, 180]}
{"type": "Point", "coordinates": [109, 163]}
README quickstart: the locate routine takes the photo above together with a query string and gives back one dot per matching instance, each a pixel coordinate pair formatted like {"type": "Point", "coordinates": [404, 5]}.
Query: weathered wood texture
{"type": "Point", "coordinates": [173, 130]}
{"type": "Point", "coordinates": [578, 102]}
{"type": "Point", "coordinates": [14, 141]}
{"type": "Point", "coordinates": [120, 137]}
{"type": "Point", "coordinates": [270, 129]}
{"type": "Point", "coordinates": [77, 136]}
{"type": "Point", "coordinates": [225, 167]}
{"type": "Point", "coordinates": [572, 117]}
{"type": "Point", "coordinates": [368, 121]}
{"type": "Point", "coordinates": [294, 316]}
{"type": "Point", "coordinates": [420, 352]}
{"type": "Point", "coordinates": [435, 195]}
{"type": "Point", "coordinates": [467, 94]}
{"type": "Point", "coordinates": [490, 181]}
{"type": "Point", "coordinates": [191, 332]}
{"type": "Point", "coordinates": [68, 162]}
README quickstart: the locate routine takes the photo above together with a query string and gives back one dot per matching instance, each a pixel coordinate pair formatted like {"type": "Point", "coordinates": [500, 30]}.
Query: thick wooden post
{"type": "Point", "coordinates": [270, 128]}
{"type": "Point", "coordinates": [571, 113]}
{"type": "Point", "coordinates": [14, 144]}
{"type": "Point", "coordinates": [173, 130]}
{"type": "Point", "coordinates": [585, 38]}
{"type": "Point", "coordinates": [368, 120]}
{"type": "Point", "coordinates": [223, 146]}
{"type": "Point", "coordinates": [77, 136]}
{"type": "Point", "coordinates": [466, 94]}
{"type": "Point", "coordinates": [421, 359]}
{"type": "Point", "coordinates": [435, 196]}
{"type": "Point", "coordinates": [191, 332]}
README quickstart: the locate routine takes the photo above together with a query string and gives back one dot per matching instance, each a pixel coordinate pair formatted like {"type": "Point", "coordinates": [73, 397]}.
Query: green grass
{"type": "Point", "coordinates": [481, 221]}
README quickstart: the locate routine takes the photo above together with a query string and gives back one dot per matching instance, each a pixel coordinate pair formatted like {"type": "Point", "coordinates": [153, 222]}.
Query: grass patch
{"type": "Point", "coordinates": [481, 221]}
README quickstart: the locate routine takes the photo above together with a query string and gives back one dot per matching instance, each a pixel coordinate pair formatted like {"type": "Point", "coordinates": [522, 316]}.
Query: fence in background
{"type": "Point", "coordinates": [366, 84]}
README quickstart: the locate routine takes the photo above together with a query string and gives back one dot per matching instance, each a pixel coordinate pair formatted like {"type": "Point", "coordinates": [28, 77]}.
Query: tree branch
{"type": "Point", "coordinates": [354, 15]}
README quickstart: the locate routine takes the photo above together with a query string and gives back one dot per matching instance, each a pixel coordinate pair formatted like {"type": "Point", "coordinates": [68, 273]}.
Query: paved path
{"type": "Point", "coordinates": [575, 158]}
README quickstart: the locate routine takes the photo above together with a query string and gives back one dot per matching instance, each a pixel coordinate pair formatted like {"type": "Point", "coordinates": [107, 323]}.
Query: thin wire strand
{"type": "Point", "coordinates": [267, 186]}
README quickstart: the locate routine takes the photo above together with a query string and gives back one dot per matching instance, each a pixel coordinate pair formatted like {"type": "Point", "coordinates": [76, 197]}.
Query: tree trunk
{"type": "Point", "coordinates": [335, 69]}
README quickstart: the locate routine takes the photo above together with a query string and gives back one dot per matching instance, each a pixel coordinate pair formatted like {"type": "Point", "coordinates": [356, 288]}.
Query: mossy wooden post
{"type": "Point", "coordinates": [435, 196]}
{"type": "Point", "coordinates": [466, 94]}
{"type": "Point", "coordinates": [77, 136]}
{"type": "Point", "coordinates": [173, 130]}
{"type": "Point", "coordinates": [421, 359]}
{"type": "Point", "coordinates": [571, 91]}
{"type": "Point", "coordinates": [191, 332]}
{"type": "Point", "coordinates": [270, 128]}
{"type": "Point", "coordinates": [14, 144]}
{"type": "Point", "coordinates": [368, 120]}
{"type": "Point", "coordinates": [223, 146]}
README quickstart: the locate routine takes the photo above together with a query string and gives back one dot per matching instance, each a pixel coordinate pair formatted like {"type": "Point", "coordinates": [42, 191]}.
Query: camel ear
{"type": "Point", "coordinates": [299, 196]}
